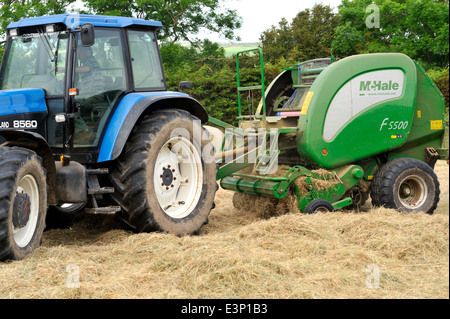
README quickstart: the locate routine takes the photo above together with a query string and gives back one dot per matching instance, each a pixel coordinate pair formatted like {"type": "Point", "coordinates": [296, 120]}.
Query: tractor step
{"type": "Point", "coordinates": [103, 210]}
{"type": "Point", "coordinates": [95, 191]}
{"type": "Point", "coordinates": [101, 190]}
{"type": "Point", "coordinates": [96, 171]}
{"type": "Point", "coordinates": [94, 187]}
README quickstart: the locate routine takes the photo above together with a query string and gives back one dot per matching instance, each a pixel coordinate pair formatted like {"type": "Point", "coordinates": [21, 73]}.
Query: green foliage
{"type": "Point", "coordinates": [207, 68]}
{"type": "Point", "coordinates": [214, 76]}
{"type": "Point", "coordinates": [181, 19]}
{"type": "Point", "coordinates": [308, 36]}
{"type": "Point", "coordinates": [417, 28]}
{"type": "Point", "coordinates": [347, 41]}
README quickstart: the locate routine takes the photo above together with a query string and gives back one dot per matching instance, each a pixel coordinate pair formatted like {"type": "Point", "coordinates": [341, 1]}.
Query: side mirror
{"type": "Point", "coordinates": [185, 85]}
{"type": "Point", "coordinates": [87, 34]}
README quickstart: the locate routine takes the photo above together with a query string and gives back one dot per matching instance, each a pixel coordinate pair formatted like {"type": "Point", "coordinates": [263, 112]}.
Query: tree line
{"type": "Point", "coordinates": [418, 28]}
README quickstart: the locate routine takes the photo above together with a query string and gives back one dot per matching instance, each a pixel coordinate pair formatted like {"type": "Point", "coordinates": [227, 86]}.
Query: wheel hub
{"type": "Point", "coordinates": [167, 177]}
{"type": "Point", "coordinates": [413, 192]}
{"type": "Point", "coordinates": [406, 190]}
{"type": "Point", "coordinates": [178, 178]}
{"type": "Point", "coordinates": [21, 210]}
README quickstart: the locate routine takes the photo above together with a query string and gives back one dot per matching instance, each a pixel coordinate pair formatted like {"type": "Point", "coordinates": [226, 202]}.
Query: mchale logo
{"type": "Point", "coordinates": [378, 86]}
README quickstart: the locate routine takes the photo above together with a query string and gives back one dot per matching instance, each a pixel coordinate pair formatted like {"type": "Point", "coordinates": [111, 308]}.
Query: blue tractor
{"type": "Point", "coordinates": [86, 123]}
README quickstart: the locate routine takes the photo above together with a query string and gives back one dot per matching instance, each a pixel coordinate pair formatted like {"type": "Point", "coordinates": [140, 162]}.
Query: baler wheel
{"type": "Point", "coordinates": [406, 184]}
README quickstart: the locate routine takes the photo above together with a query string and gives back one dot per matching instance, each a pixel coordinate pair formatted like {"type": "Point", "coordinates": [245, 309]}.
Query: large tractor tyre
{"type": "Point", "coordinates": [407, 185]}
{"type": "Point", "coordinates": [23, 202]}
{"type": "Point", "coordinates": [165, 179]}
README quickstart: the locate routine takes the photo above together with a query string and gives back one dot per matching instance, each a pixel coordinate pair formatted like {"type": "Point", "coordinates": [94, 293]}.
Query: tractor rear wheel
{"type": "Point", "coordinates": [165, 179]}
{"type": "Point", "coordinates": [407, 185]}
{"type": "Point", "coordinates": [23, 202]}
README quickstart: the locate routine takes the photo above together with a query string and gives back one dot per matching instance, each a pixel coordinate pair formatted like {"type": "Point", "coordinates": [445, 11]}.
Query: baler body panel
{"type": "Point", "coordinates": [358, 107]}
{"type": "Point", "coordinates": [428, 125]}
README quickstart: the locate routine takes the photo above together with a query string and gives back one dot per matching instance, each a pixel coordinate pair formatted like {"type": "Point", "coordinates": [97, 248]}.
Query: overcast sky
{"type": "Point", "coordinates": [259, 15]}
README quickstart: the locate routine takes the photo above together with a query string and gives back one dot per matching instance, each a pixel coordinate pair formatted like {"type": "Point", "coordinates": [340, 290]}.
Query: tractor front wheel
{"type": "Point", "coordinates": [23, 202]}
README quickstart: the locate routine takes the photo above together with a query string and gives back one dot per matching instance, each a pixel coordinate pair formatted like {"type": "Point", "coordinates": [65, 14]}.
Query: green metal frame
{"type": "Point", "coordinates": [250, 88]}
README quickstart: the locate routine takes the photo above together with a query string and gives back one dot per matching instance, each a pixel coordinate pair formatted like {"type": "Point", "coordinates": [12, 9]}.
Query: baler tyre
{"type": "Point", "coordinates": [165, 179]}
{"type": "Point", "coordinates": [408, 185]}
{"type": "Point", "coordinates": [374, 187]}
{"type": "Point", "coordinates": [23, 202]}
{"type": "Point", "coordinates": [318, 206]}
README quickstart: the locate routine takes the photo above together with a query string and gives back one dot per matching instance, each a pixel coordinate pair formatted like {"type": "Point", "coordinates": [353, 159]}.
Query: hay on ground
{"type": "Point", "coordinates": [241, 256]}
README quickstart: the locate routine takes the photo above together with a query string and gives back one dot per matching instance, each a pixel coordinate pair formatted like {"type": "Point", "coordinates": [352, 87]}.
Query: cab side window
{"type": "Point", "coordinates": [145, 61]}
{"type": "Point", "coordinates": [100, 80]}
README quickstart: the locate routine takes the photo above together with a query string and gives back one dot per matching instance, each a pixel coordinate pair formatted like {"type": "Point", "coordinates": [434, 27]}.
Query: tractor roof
{"type": "Point", "coordinates": [73, 21]}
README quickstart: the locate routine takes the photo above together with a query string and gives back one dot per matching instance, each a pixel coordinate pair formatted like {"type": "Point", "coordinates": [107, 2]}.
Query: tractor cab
{"type": "Point", "coordinates": [84, 65]}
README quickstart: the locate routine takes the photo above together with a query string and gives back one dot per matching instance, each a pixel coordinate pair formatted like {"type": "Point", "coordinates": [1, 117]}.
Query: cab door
{"type": "Point", "coordinates": [100, 79]}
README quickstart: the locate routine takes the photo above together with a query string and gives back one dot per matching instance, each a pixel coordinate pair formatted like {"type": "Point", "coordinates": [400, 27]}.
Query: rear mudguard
{"type": "Point", "coordinates": [132, 107]}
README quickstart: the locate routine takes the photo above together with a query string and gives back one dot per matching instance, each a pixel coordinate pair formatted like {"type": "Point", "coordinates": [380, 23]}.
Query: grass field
{"type": "Point", "coordinates": [376, 253]}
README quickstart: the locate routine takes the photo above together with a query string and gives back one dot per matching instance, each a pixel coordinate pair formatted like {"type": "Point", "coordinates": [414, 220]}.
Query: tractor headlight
{"type": "Point", "coordinates": [13, 32]}
{"type": "Point", "coordinates": [50, 28]}
{"type": "Point", "coordinates": [60, 118]}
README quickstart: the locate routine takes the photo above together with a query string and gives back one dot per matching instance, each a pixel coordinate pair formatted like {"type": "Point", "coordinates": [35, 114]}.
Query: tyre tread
{"type": "Point", "coordinates": [385, 177]}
